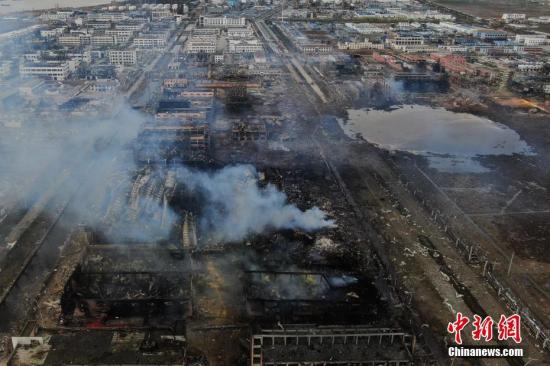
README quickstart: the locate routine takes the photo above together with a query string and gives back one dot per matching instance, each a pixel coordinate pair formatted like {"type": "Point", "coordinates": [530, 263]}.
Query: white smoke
{"type": "Point", "coordinates": [91, 157]}
{"type": "Point", "coordinates": [235, 206]}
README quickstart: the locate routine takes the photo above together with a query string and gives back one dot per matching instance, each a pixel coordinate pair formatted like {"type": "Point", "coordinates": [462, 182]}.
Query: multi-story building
{"type": "Point", "coordinates": [150, 41]}
{"type": "Point", "coordinates": [459, 66]}
{"type": "Point", "coordinates": [240, 33]}
{"type": "Point", "coordinates": [52, 32]}
{"type": "Point", "coordinates": [491, 34]}
{"type": "Point", "coordinates": [532, 39]}
{"type": "Point", "coordinates": [206, 31]}
{"type": "Point", "coordinates": [205, 43]}
{"type": "Point", "coordinates": [75, 39]}
{"type": "Point", "coordinates": [32, 57]}
{"type": "Point", "coordinates": [197, 94]}
{"type": "Point", "coordinates": [99, 25]}
{"type": "Point", "coordinates": [103, 40]}
{"type": "Point", "coordinates": [365, 45]}
{"type": "Point", "coordinates": [306, 46]}
{"type": "Point", "coordinates": [455, 48]}
{"type": "Point", "coordinates": [69, 40]}
{"type": "Point", "coordinates": [172, 83]}
{"type": "Point", "coordinates": [59, 15]}
{"type": "Point", "coordinates": [161, 14]}
{"type": "Point", "coordinates": [121, 35]}
{"type": "Point", "coordinates": [456, 28]}
{"type": "Point", "coordinates": [530, 67]}
{"type": "Point", "coordinates": [453, 64]}
{"type": "Point", "coordinates": [411, 44]}
{"type": "Point", "coordinates": [104, 86]}
{"type": "Point", "coordinates": [54, 71]}
{"type": "Point", "coordinates": [510, 17]}
{"type": "Point", "coordinates": [184, 115]}
{"type": "Point", "coordinates": [365, 28]}
{"type": "Point", "coordinates": [401, 42]}
{"type": "Point", "coordinates": [122, 57]}
{"type": "Point", "coordinates": [108, 17]}
{"type": "Point", "coordinates": [200, 46]}
{"type": "Point", "coordinates": [129, 26]}
{"type": "Point", "coordinates": [205, 21]}
{"type": "Point", "coordinates": [244, 45]}
{"type": "Point", "coordinates": [80, 56]}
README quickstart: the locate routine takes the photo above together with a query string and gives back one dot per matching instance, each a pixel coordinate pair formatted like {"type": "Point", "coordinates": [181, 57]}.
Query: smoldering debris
{"type": "Point", "coordinates": [141, 212]}
{"type": "Point", "coordinates": [95, 155]}
{"type": "Point", "coordinates": [99, 154]}
{"type": "Point", "coordinates": [236, 206]}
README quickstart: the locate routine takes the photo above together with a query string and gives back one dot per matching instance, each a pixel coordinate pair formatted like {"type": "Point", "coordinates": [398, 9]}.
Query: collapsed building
{"type": "Point", "coordinates": [117, 285]}
{"type": "Point", "coordinates": [135, 288]}
{"type": "Point", "coordinates": [106, 347]}
{"type": "Point", "coordinates": [178, 143]}
{"type": "Point", "coordinates": [249, 131]}
{"type": "Point", "coordinates": [331, 345]}
{"type": "Point", "coordinates": [297, 295]}
{"type": "Point", "coordinates": [137, 302]}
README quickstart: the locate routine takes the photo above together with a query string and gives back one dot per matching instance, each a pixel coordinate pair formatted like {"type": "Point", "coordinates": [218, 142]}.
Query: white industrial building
{"type": "Point", "coordinates": [406, 43]}
{"type": "Point", "coordinates": [365, 28]}
{"type": "Point", "coordinates": [491, 34]}
{"type": "Point", "coordinates": [108, 17]}
{"type": "Point", "coordinates": [54, 71]}
{"type": "Point", "coordinates": [200, 45]}
{"type": "Point", "coordinates": [240, 33]}
{"type": "Point", "coordinates": [122, 57]}
{"type": "Point", "coordinates": [161, 14]}
{"type": "Point", "coordinates": [52, 32]}
{"type": "Point", "coordinates": [150, 41]}
{"type": "Point", "coordinates": [531, 67]}
{"type": "Point", "coordinates": [59, 15]}
{"type": "Point", "coordinates": [222, 21]}
{"type": "Point", "coordinates": [314, 48]}
{"type": "Point", "coordinates": [103, 40]}
{"type": "Point", "coordinates": [509, 17]}
{"type": "Point", "coordinates": [129, 26]}
{"type": "Point", "coordinates": [365, 45]}
{"type": "Point", "coordinates": [532, 39]}
{"type": "Point", "coordinates": [244, 46]}
{"type": "Point", "coordinates": [121, 35]}
{"type": "Point", "coordinates": [69, 40]}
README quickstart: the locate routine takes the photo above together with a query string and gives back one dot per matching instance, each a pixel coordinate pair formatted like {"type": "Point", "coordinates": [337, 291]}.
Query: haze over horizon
{"type": "Point", "coordinates": [26, 5]}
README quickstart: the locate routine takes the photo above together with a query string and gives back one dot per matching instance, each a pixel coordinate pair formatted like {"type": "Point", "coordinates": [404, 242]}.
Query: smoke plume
{"type": "Point", "coordinates": [86, 164]}
{"type": "Point", "coordinates": [235, 206]}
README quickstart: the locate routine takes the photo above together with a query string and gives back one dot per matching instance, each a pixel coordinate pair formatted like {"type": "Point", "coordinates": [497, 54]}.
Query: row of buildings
{"type": "Point", "coordinates": [85, 44]}
{"type": "Point", "coordinates": [220, 35]}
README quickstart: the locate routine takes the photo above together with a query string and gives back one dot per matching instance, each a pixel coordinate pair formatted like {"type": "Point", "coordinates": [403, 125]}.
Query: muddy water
{"type": "Point", "coordinates": [451, 141]}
